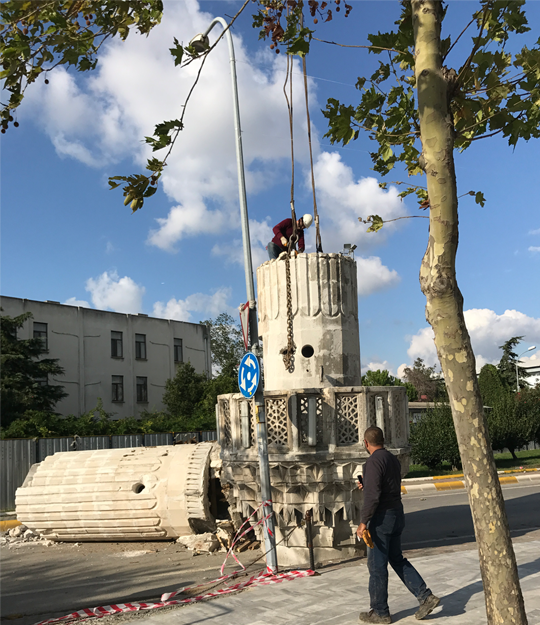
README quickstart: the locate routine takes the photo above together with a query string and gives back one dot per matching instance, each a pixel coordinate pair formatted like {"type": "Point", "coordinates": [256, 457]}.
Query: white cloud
{"type": "Point", "coordinates": [101, 118]}
{"type": "Point", "coordinates": [73, 301]}
{"type": "Point", "coordinates": [534, 249]}
{"type": "Point", "coordinates": [487, 331]}
{"type": "Point", "coordinates": [342, 199]}
{"type": "Point", "coordinates": [110, 292]}
{"type": "Point", "coordinates": [378, 366]}
{"type": "Point", "coordinates": [208, 305]}
{"type": "Point", "coordinates": [537, 231]}
{"type": "Point", "coordinates": [260, 233]}
{"type": "Point", "coordinates": [373, 276]}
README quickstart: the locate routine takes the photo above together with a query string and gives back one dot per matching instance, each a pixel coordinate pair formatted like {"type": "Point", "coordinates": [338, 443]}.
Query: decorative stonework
{"type": "Point", "coordinates": [317, 475]}
{"type": "Point", "coordinates": [276, 421]}
{"type": "Point", "coordinates": [225, 414]}
{"type": "Point", "coordinates": [347, 420]}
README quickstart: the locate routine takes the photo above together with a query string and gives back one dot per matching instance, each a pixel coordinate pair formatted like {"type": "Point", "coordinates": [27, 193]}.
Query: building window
{"type": "Point", "coordinates": [140, 346]}
{"type": "Point", "coordinates": [142, 390]}
{"type": "Point", "coordinates": [40, 332]}
{"type": "Point", "coordinates": [178, 355]}
{"type": "Point", "coordinates": [116, 345]}
{"type": "Point", "coordinates": [118, 388]}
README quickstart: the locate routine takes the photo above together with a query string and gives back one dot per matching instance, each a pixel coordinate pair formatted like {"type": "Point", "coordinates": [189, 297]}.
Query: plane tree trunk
{"type": "Point", "coordinates": [444, 312]}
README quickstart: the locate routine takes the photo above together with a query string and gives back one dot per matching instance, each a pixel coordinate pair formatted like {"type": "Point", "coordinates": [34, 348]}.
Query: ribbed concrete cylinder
{"type": "Point", "coordinates": [148, 493]}
{"type": "Point", "coordinates": [325, 322]}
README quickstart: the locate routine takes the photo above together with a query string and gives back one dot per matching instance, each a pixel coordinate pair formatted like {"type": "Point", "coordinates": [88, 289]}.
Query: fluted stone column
{"type": "Point", "coordinates": [325, 322]}
{"type": "Point", "coordinates": [147, 493]}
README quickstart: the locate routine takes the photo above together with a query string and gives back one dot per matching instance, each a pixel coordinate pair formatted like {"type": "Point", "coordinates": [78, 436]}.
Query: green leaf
{"type": "Point", "coordinates": [479, 198]}
{"type": "Point", "coordinates": [376, 223]}
{"type": "Point", "coordinates": [177, 52]}
{"type": "Point", "coordinates": [299, 46]}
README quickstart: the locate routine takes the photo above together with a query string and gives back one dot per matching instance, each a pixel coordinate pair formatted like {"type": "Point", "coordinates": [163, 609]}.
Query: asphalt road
{"type": "Point", "coordinates": [444, 518]}
{"type": "Point", "coordinates": [39, 582]}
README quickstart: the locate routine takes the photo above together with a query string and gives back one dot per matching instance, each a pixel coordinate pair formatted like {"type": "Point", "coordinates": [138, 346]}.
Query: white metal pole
{"type": "Point", "coordinates": [264, 467]}
{"type": "Point", "coordinates": [248, 265]}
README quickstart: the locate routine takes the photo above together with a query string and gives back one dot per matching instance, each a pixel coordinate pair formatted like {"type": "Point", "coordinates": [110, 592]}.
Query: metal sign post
{"type": "Point", "coordinates": [248, 382]}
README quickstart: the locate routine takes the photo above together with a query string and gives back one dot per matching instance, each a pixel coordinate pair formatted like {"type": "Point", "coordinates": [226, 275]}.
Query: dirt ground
{"type": "Point", "coordinates": [41, 581]}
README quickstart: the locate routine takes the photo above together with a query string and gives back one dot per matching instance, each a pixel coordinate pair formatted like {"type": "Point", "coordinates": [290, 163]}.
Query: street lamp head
{"type": "Point", "coordinates": [200, 43]}
{"type": "Point", "coordinates": [531, 348]}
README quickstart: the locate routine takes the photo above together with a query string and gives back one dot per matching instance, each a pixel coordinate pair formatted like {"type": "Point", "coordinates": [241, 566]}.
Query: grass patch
{"type": "Point", "coordinates": [526, 459]}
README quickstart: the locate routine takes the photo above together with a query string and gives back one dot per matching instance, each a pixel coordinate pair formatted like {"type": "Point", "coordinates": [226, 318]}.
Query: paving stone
{"type": "Point", "coordinates": [338, 595]}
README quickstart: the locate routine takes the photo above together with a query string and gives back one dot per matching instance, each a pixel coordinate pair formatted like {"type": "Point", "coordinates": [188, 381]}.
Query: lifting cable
{"type": "Point", "coordinates": [318, 243]}
{"type": "Point", "coordinates": [288, 352]}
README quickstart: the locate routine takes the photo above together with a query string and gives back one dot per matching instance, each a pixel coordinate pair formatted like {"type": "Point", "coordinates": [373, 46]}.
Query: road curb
{"type": "Point", "coordinates": [436, 484]}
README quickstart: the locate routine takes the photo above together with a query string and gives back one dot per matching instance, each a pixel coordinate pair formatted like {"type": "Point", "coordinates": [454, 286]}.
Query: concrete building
{"type": "Point", "coordinates": [123, 359]}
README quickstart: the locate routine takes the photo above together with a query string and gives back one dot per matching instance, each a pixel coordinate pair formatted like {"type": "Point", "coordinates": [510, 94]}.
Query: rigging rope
{"type": "Point", "coordinates": [288, 352]}
{"type": "Point", "coordinates": [318, 243]}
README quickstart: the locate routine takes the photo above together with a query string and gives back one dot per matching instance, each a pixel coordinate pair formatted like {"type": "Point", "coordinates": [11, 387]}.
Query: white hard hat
{"type": "Point", "coordinates": [307, 219]}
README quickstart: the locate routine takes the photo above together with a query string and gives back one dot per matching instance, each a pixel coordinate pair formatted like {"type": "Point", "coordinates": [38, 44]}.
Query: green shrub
{"type": "Point", "coordinates": [433, 439]}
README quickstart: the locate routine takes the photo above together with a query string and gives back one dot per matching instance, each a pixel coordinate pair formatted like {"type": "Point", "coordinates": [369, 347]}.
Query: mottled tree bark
{"type": "Point", "coordinates": [444, 312]}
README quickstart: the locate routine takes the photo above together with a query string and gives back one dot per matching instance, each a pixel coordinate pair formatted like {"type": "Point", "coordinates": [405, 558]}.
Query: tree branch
{"type": "Point", "coordinates": [458, 38]}
{"type": "Point", "coordinates": [343, 45]}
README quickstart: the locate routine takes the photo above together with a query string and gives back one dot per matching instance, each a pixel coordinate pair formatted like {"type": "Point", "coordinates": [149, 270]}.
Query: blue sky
{"type": "Point", "coordinates": [66, 237]}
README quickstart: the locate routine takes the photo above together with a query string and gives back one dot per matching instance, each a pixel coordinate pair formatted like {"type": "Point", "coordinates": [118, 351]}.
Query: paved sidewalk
{"type": "Point", "coordinates": [336, 596]}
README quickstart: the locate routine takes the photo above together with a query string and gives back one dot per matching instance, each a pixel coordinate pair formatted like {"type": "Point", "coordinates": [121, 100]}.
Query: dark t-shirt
{"type": "Point", "coordinates": [285, 229]}
{"type": "Point", "coordinates": [382, 484]}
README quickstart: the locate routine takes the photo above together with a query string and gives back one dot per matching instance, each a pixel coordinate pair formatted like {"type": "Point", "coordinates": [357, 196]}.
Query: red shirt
{"type": "Point", "coordinates": [285, 229]}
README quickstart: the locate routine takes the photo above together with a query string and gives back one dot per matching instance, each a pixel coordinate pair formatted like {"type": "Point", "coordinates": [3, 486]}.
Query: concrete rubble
{"type": "Point", "coordinates": [200, 542]}
{"type": "Point", "coordinates": [20, 536]}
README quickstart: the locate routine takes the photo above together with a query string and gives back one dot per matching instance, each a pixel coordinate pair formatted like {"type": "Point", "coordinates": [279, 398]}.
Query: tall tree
{"type": "Point", "coordinates": [419, 111]}
{"type": "Point", "coordinates": [424, 380]}
{"type": "Point", "coordinates": [491, 385]}
{"type": "Point", "coordinates": [25, 375]}
{"type": "Point", "coordinates": [384, 378]}
{"type": "Point", "coordinates": [512, 421]}
{"type": "Point", "coordinates": [226, 343]}
{"type": "Point", "coordinates": [508, 362]}
{"type": "Point", "coordinates": [378, 378]}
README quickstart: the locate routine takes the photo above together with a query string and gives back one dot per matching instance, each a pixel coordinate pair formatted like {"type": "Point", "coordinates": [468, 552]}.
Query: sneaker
{"type": "Point", "coordinates": [427, 607]}
{"type": "Point", "coordinates": [373, 617]}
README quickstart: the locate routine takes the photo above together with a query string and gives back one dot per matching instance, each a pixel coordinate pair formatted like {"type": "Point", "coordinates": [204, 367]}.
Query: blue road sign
{"type": "Point", "coordinates": [249, 374]}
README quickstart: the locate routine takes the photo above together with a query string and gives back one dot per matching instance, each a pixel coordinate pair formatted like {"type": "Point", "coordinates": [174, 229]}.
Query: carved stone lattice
{"type": "Point", "coordinates": [252, 426]}
{"type": "Point", "coordinates": [347, 419]}
{"type": "Point", "coordinates": [304, 419]}
{"type": "Point", "coordinates": [226, 422]}
{"type": "Point", "coordinates": [276, 421]}
{"type": "Point", "coordinates": [398, 416]}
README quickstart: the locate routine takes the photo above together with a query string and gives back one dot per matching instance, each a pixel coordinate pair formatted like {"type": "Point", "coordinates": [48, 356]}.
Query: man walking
{"type": "Point", "coordinates": [283, 232]}
{"type": "Point", "coordinates": [382, 513]}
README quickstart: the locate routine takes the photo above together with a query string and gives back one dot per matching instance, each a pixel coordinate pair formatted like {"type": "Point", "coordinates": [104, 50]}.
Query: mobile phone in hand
{"type": "Point", "coordinates": [359, 478]}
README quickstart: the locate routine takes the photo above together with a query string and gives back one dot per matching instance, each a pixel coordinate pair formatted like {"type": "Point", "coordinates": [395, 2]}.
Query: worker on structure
{"type": "Point", "coordinates": [381, 524]}
{"type": "Point", "coordinates": [283, 232]}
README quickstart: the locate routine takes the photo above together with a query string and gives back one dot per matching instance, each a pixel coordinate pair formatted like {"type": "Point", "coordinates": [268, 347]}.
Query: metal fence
{"type": "Point", "coordinates": [17, 455]}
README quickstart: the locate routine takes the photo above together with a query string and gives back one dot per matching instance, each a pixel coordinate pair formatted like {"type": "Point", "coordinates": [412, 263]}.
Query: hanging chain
{"type": "Point", "coordinates": [288, 352]}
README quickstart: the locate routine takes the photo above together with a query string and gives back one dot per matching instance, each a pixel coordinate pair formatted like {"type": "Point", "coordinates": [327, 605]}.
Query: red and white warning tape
{"type": "Point", "coordinates": [259, 579]}
{"type": "Point", "coordinates": [118, 608]}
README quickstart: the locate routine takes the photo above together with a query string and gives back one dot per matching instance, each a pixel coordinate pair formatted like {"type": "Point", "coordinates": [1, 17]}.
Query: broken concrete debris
{"type": "Point", "coordinates": [21, 535]}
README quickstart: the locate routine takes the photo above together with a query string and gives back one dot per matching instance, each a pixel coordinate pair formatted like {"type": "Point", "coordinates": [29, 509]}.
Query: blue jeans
{"type": "Point", "coordinates": [274, 250]}
{"type": "Point", "coordinates": [386, 528]}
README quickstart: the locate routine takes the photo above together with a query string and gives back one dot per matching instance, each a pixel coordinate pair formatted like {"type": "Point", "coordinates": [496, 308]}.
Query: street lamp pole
{"type": "Point", "coordinates": [200, 44]}
{"type": "Point", "coordinates": [517, 370]}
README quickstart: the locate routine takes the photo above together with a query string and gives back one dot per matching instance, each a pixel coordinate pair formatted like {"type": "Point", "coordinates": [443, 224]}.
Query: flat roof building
{"type": "Point", "coordinates": [123, 359]}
